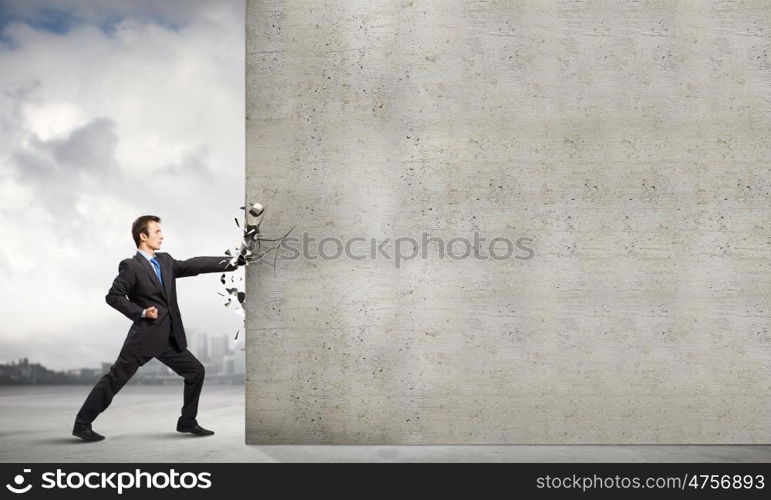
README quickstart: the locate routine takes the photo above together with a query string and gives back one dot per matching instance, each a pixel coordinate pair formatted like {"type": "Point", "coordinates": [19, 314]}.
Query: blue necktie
{"type": "Point", "coordinates": [157, 267]}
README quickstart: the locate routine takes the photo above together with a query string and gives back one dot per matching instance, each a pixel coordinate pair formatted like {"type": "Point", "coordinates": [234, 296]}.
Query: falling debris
{"type": "Point", "coordinates": [252, 249]}
{"type": "Point", "coordinates": [256, 210]}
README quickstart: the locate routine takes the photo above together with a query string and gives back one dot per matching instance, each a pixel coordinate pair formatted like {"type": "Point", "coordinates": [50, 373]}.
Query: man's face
{"type": "Point", "coordinates": [155, 237]}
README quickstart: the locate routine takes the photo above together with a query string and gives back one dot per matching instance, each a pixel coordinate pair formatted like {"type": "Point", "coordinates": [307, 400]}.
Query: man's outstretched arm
{"type": "Point", "coordinates": [121, 287]}
{"type": "Point", "coordinates": [200, 265]}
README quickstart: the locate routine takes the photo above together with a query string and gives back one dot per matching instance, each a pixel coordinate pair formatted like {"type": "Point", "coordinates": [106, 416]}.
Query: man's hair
{"type": "Point", "coordinates": [140, 226]}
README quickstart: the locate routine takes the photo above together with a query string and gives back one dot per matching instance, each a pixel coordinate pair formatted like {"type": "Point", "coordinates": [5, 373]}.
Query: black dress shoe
{"type": "Point", "coordinates": [196, 429]}
{"type": "Point", "coordinates": [87, 435]}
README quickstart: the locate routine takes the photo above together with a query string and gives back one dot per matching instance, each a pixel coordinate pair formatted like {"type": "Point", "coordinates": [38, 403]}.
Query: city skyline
{"type": "Point", "coordinates": [215, 352]}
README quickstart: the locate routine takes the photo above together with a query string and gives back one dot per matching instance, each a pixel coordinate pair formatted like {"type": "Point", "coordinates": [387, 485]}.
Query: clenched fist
{"type": "Point", "coordinates": [151, 312]}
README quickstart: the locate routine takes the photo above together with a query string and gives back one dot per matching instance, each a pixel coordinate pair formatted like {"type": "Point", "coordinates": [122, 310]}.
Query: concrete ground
{"type": "Point", "coordinates": [36, 423]}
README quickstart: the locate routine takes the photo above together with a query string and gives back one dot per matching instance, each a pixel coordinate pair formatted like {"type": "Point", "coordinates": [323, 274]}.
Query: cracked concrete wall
{"type": "Point", "coordinates": [628, 140]}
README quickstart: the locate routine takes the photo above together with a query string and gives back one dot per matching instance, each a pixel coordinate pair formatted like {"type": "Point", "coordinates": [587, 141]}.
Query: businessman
{"type": "Point", "coordinates": [145, 292]}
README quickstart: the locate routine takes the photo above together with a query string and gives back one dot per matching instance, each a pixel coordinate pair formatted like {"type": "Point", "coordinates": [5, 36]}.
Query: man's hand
{"type": "Point", "coordinates": [151, 312]}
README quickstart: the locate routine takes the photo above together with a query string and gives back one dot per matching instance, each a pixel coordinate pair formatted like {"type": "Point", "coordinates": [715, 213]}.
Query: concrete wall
{"type": "Point", "coordinates": [628, 140]}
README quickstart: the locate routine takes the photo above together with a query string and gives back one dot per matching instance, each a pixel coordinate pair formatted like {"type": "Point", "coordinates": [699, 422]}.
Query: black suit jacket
{"type": "Point", "coordinates": [137, 287]}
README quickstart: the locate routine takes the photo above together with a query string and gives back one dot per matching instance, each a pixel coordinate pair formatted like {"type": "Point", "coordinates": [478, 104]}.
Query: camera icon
{"type": "Point", "coordinates": [18, 480]}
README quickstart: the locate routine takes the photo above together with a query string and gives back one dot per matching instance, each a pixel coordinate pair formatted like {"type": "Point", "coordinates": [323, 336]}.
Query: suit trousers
{"type": "Point", "coordinates": [183, 363]}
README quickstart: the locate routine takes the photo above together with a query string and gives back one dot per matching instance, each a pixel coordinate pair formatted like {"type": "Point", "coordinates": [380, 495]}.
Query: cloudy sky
{"type": "Point", "coordinates": [110, 110]}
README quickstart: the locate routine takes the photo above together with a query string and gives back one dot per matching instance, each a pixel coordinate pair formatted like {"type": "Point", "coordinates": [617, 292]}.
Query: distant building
{"type": "Point", "coordinates": [220, 349]}
{"type": "Point", "coordinates": [202, 347]}
{"type": "Point", "coordinates": [234, 364]}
